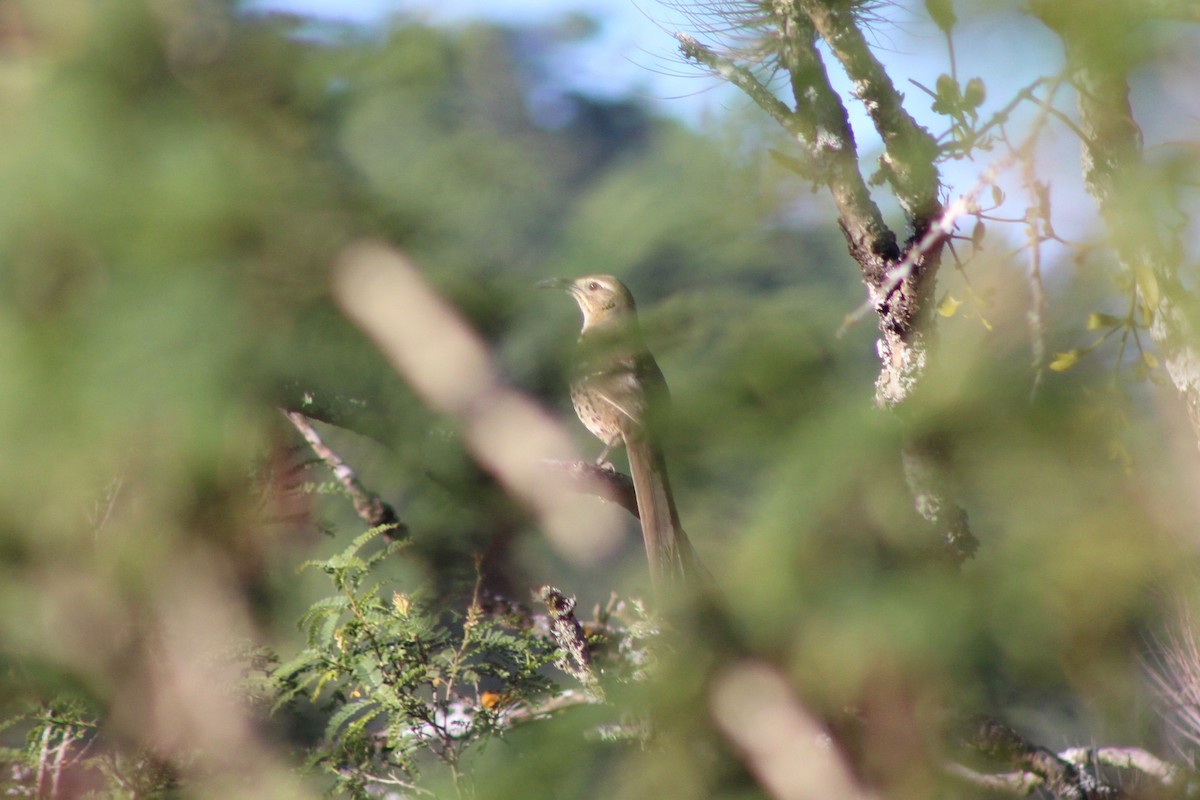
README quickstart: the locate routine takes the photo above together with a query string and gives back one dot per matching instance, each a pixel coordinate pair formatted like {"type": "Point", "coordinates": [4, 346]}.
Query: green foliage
{"type": "Point", "coordinates": [406, 683]}
{"type": "Point", "coordinates": [65, 755]}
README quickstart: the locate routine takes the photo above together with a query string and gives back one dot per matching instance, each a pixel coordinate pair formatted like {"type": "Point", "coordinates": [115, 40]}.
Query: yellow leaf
{"type": "Point", "coordinates": [402, 603]}
{"type": "Point", "coordinates": [1064, 361]}
{"type": "Point", "coordinates": [1149, 359]}
{"type": "Point", "coordinates": [949, 306]}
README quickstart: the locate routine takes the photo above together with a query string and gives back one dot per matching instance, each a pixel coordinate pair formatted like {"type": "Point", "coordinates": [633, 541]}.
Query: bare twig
{"type": "Point", "coordinates": [369, 505]}
{"type": "Point", "coordinates": [558, 702]}
{"type": "Point", "coordinates": [742, 78]}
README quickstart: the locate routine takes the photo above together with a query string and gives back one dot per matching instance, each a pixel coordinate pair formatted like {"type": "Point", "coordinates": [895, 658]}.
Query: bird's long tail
{"type": "Point", "coordinates": [667, 547]}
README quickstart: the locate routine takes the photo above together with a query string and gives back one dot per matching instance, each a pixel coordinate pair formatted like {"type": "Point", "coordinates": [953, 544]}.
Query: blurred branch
{"type": "Point", "coordinates": [1184, 10]}
{"type": "Point", "coordinates": [1116, 176]}
{"type": "Point", "coordinates": [449, 366]}
{"type": "Point", "coordinates": [782, 744]}
{"type": "Point", "coordinates": [1133, 758]}
{"type": "Point", "coordinates": [370, 506]}
{"type": "Point", "coordinates": [567, 699]}
{"type": "Point", "coordinates": [929, 483]}
{"type": "Point", "coordinates": [1018, 783]}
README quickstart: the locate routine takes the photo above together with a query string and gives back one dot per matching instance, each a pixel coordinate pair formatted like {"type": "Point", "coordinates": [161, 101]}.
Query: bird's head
{"type": "Point", "coordinates": [603, 299]}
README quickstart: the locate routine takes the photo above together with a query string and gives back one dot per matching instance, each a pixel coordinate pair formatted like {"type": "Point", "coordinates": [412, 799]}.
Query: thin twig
{"type": "Point", "coordinates": [369, 505]}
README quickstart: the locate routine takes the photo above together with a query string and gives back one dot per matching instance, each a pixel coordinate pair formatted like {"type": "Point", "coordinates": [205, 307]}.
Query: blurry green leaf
{"type": "Point", "coordinates": [977, 234]}
{"type": "Point", "coordinates": [1064, 361]}
{"type": "Point", "coordinates": [942, 13]}
{"type": "Point", "coordinates": [1097, 320]}
{"type": "Point", "coordinates": [974, 94]}
{"type": "Point", "coordinates": [948, 97]}
{"type": "Point", "coordinates": [949, 306]}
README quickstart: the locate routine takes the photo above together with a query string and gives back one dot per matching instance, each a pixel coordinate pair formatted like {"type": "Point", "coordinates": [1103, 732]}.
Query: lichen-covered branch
{"type": "Point", "coordinates": [1074, 771]}
{"type": "Point", "coordinates": [910, 150]}
{"type": "Point", "coordinates": [742, 78]}
{"type": "Point", "coordinates": [900, 282]}
{"type": "Point", "coordinates": [925, 472]}
{"type": "Point", "coordinates": [1049, 771]}
{"type": "Point", "coordinates": [568, 635]}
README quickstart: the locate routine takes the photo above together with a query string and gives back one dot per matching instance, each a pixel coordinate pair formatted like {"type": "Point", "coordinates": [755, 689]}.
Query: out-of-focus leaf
{"type": "Point", "coordinates": [1064, 361]}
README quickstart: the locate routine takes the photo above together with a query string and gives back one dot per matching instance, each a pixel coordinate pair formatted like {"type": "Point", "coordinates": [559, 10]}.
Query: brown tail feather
{"type": "Point", "coordinates": [667, 547]}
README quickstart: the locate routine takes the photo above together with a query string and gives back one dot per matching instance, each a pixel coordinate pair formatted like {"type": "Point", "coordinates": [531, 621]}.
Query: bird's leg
{"type": "Point", "coordinates": [600, 459]}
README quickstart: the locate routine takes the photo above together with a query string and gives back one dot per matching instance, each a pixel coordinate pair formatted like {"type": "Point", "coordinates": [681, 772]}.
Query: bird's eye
{"type": "Point", "coordinates": [593, 287]}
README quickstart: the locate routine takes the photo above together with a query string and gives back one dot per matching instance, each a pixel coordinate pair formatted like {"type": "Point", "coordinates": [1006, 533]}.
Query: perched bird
{"type": "Point", "coordinates": [620, 396]}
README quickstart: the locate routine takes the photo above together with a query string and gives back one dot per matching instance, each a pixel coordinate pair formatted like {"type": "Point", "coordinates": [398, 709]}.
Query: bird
{"type": "Point", "coordinates": [621, 397]}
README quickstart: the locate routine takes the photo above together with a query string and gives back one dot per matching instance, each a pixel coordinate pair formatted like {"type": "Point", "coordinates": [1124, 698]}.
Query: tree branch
{"type": "Point", "coordinates": [910, 150]}
{"type": "Point", "coordinates": [603, 482]}
{"type": "Point", "coordinates": [782, 744]}
{"type": "Point", "coordinates": [568, 634]}
{"type": "Point", "coordinates": [1054, 773]}
{"type": "Point", "coordinates": [370, 506]}
{"type": "Point", "coordinates": [900, 286]}
{"type": "Point", "coordinates": [743, 79]}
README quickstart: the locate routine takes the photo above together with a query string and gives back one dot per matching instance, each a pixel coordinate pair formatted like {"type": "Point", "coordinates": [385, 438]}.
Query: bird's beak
{"type": "Point", "coordinates": [554, 283]}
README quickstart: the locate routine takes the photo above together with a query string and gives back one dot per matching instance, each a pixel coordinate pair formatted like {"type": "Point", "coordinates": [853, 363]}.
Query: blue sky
{"type": "Point", "coordinates": [634, 54]}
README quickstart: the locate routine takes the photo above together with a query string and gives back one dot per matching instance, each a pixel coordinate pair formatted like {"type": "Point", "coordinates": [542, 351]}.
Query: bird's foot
{"type": "Point", "coordinates": [605, 465]}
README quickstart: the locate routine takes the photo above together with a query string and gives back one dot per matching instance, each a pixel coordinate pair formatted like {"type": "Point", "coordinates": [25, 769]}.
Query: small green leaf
{"type": "Point", "coordinates": [1097, 320]}
{"type": "Point", "coordinates": [1149, 359]}
{"type": "Point", "coordinates": [942, 13]}
{"type": "Point", "coordinates": [949, 306]}
{"type": "Point", "coordinates": [1064, 361]}
{"type": "Point", "coordinates": [975, 93]}
{"type": "Point", "coordinates": [948, 96]}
